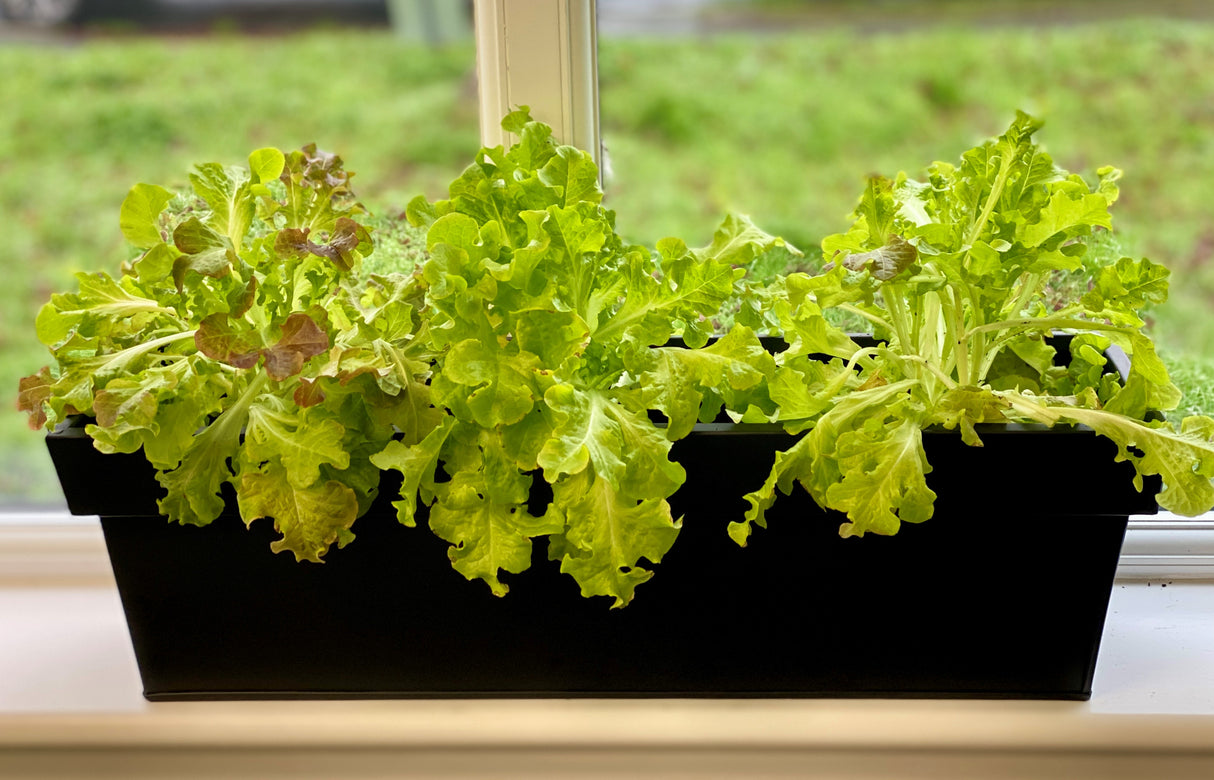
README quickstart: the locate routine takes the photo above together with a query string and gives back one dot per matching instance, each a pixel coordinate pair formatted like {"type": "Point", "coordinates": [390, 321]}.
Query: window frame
{"type": "Point", "coordinates": [542, 54]}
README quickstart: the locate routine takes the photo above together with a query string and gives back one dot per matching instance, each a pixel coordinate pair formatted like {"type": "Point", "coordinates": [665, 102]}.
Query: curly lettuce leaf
{"type": "Point", "coordinates": [488, 534]}
{"type": "Point", "coordinates": [1184, 458]}
{"type": "Point", "coordinates": [607, 535]}
{"type": "Point", "coordinates": [310, 519]}
{"type": "Point", "coordinates": [676, 381]}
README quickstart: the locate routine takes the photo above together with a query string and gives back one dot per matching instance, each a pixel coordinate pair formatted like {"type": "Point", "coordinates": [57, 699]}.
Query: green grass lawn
{"type": "Point", "coordinates": [782, 127]}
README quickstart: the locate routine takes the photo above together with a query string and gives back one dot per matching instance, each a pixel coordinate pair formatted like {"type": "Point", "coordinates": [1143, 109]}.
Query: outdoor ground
{"type": "Point", "coordinates": [783, 126]}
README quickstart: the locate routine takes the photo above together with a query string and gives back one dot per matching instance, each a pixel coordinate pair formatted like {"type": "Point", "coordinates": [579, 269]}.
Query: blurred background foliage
{"type": "Point", "coordinates": [776, 108]}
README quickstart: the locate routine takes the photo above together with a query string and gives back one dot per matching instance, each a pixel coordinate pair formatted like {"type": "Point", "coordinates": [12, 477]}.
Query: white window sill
{"type": "Point", "coordinates": [70, 707]}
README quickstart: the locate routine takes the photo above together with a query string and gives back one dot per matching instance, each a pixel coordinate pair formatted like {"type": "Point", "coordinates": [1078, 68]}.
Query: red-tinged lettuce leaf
{"type": "Point", "coordinates": [301, 339]}
{"type": "Point", "coordinates": [607, 535]}
{"type": "Point", "coordinates": [310, 519]}
{"type": "Point", "coordinates": [230, 341]}
{"type": "Point", "coordinates": [237, 343]}
{"type": "Point", "coordinates": [84, 366]}
{"type": "Point", "coordinates": [293, 242]}
{"type": "Point", "coordinates": [192, 237]}
{"type": "Point", "coordinates": [308, 393]}
{"type": "Point", "coordinates": [347, 242]}
{"type": "Point", "coordinates": [884, 262]}
{"type": "Point", "coordinates": [129, 403]}
{"type": "Point", "coordinates": [33, 392]}
{"type": "Point", "coordinates": [317, 189]}
{"type": "Point", "coordinates": [151, 360]}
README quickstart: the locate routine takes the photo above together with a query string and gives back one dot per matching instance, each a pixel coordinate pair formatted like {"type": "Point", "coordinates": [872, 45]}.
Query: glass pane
{"type": "Point", "coordinates": [781, 109]}
{"type": "Point", "coordinates": [131, 92]}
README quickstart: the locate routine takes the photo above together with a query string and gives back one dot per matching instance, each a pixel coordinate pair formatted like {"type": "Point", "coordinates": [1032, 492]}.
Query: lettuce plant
{"type": "Point", "coordinates": [952, 273]}
{"type": "Point", "coordinates": [241, 347]}
{"type": "Point", "coordinates": [550, 335]}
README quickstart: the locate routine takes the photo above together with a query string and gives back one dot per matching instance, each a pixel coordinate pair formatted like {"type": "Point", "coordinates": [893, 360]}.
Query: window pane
{"type": "Point", "coordinates": [781, 109]}
{"type": "Point", "coordinates": [118, 97]}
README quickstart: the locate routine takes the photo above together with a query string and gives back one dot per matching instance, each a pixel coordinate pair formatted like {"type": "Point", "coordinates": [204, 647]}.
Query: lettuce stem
{"type": "Point", "coordinates": [960, 335]}
{"type": "Point", "coordinates": [933, 368]}
{"type": "Point", "coordinates": [873, 318]}
{"type": "Point", "coordinates": [898, 314]}
{"type": "Point", "coordinates": [1029, 284]}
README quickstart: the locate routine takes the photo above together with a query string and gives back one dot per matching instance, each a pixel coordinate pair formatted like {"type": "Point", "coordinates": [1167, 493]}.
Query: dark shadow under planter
{"type": "Point", "coordinates": [1002, 594]}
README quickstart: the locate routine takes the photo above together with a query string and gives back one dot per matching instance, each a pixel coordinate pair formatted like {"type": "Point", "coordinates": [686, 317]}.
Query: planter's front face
{"type": "Point", "coordinates": [998, 595]}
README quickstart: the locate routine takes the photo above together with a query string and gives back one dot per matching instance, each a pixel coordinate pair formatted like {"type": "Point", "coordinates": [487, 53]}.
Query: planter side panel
{"type": "Point", "coordinates": [990, 598]}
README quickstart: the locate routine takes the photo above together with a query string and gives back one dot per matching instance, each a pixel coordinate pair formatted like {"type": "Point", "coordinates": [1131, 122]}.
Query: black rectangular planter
{"type": "Point", "coordinates": [1002, 594]}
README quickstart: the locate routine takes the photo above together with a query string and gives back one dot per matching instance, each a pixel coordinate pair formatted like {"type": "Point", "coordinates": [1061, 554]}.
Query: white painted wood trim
{"type": "Point", "coordinates": [55, 549]}
{"type": "Point", "coordinates": [542, 54]}
{"type": "Point", "coordinates": [1168, 547]}
{"type": "Point", "coordinates": [52, 549]}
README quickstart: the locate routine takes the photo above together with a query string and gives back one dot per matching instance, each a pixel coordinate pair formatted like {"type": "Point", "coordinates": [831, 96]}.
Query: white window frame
{"type": "Point", "coordinates": [543, 54]}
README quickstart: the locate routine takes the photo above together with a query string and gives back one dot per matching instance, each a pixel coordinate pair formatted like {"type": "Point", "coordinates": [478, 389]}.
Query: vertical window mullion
{"type": "Point", "coordinates": [542, 54]}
